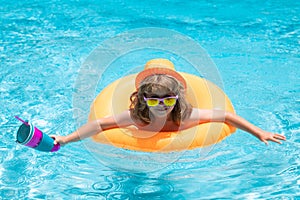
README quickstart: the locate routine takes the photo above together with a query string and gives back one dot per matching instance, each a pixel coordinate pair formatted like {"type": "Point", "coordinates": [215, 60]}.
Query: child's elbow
{"type": "Point", "coordinates": [97, 126]}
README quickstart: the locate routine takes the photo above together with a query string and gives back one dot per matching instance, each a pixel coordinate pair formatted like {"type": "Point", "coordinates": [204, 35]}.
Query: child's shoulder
{"type": "Point", "coordinates": [124, 119]}
{"type": "Point", "coordinates": [197, 114]}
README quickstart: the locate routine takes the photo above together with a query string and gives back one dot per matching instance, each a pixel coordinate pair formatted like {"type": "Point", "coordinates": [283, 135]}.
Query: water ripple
{"type": "Point", "coordinates": [118, 196]}
{"type": "Point", "coordinates": [105, 186]}
{"type": "Point", "coordinates": [152, 189]}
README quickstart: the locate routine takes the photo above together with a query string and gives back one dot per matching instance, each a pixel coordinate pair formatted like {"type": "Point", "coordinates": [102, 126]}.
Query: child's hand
{"type": "Point", "coordinates": [274, 137]}
{"type": "Point", "coordinates": [59, 139]}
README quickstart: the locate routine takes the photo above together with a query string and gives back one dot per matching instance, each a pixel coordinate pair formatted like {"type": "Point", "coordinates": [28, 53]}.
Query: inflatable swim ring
{"type": "Point", "coordinates": [200, 92]}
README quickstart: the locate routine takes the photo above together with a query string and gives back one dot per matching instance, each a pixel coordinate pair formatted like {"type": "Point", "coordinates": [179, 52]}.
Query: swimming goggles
{"type": "Point", "coordinates": [168, 101]}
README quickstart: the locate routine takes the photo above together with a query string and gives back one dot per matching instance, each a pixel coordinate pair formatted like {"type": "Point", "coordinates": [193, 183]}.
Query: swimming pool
{"type": "Point", "coordinates": [255, 46]}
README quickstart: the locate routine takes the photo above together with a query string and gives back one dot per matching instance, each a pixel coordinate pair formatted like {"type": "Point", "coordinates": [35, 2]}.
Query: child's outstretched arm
{"type": "Point", "coordinates": [243, 124]}
{"type": "Point", "coordinates": [87, 130]}
{"type": "Point", "coordinates": [94, 127]}
{"type": "Point", "coordinates": [238, 122]}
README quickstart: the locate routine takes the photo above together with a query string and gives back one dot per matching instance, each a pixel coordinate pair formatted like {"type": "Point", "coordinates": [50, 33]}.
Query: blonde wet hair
{"type": "Point", "coordinates": [149, 86]}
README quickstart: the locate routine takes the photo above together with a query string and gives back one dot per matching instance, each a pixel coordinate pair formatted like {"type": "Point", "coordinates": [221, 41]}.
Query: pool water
{"type": "Point", "coordinates": [45, 45]}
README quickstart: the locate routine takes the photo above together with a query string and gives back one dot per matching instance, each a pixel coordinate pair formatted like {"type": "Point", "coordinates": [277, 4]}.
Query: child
{"type": "Point", "coordinates": [159, 104]}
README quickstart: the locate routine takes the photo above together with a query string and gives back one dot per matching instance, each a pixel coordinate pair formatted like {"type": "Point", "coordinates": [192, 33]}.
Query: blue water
{"type": "Point", "coordinates": [44, 46]}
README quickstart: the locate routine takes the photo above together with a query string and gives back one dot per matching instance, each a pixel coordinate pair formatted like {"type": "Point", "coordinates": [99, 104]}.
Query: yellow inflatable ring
{"type": "Point", "coordinates": [200, 92]}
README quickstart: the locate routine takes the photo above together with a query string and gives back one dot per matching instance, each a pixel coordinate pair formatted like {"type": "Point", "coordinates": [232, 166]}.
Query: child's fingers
{"type": "Point", "coordinates": [277, 141]}
{"type": "Point", "coordinates": [265, 141]}
{"type": "Point", "coordinates": [279, 136]}
{"type": "Point", "coordinates": [276, 138]}
{"type": "Point", "coordinates": [55, 142]}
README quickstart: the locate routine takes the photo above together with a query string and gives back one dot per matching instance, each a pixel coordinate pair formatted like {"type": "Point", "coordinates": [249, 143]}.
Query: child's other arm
{"type": "Point", "coordinates": [94, 127]}
{"type": "Point", "coordinates": [238, 122]}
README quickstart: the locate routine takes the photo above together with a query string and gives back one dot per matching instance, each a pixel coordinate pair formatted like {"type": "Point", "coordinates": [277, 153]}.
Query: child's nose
{"type": "Point", "coordinates": [161, 103]}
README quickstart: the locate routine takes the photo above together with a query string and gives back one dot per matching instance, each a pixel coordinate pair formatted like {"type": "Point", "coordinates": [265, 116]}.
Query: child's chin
{"type": "Point", "coordinates": [160, 113]}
